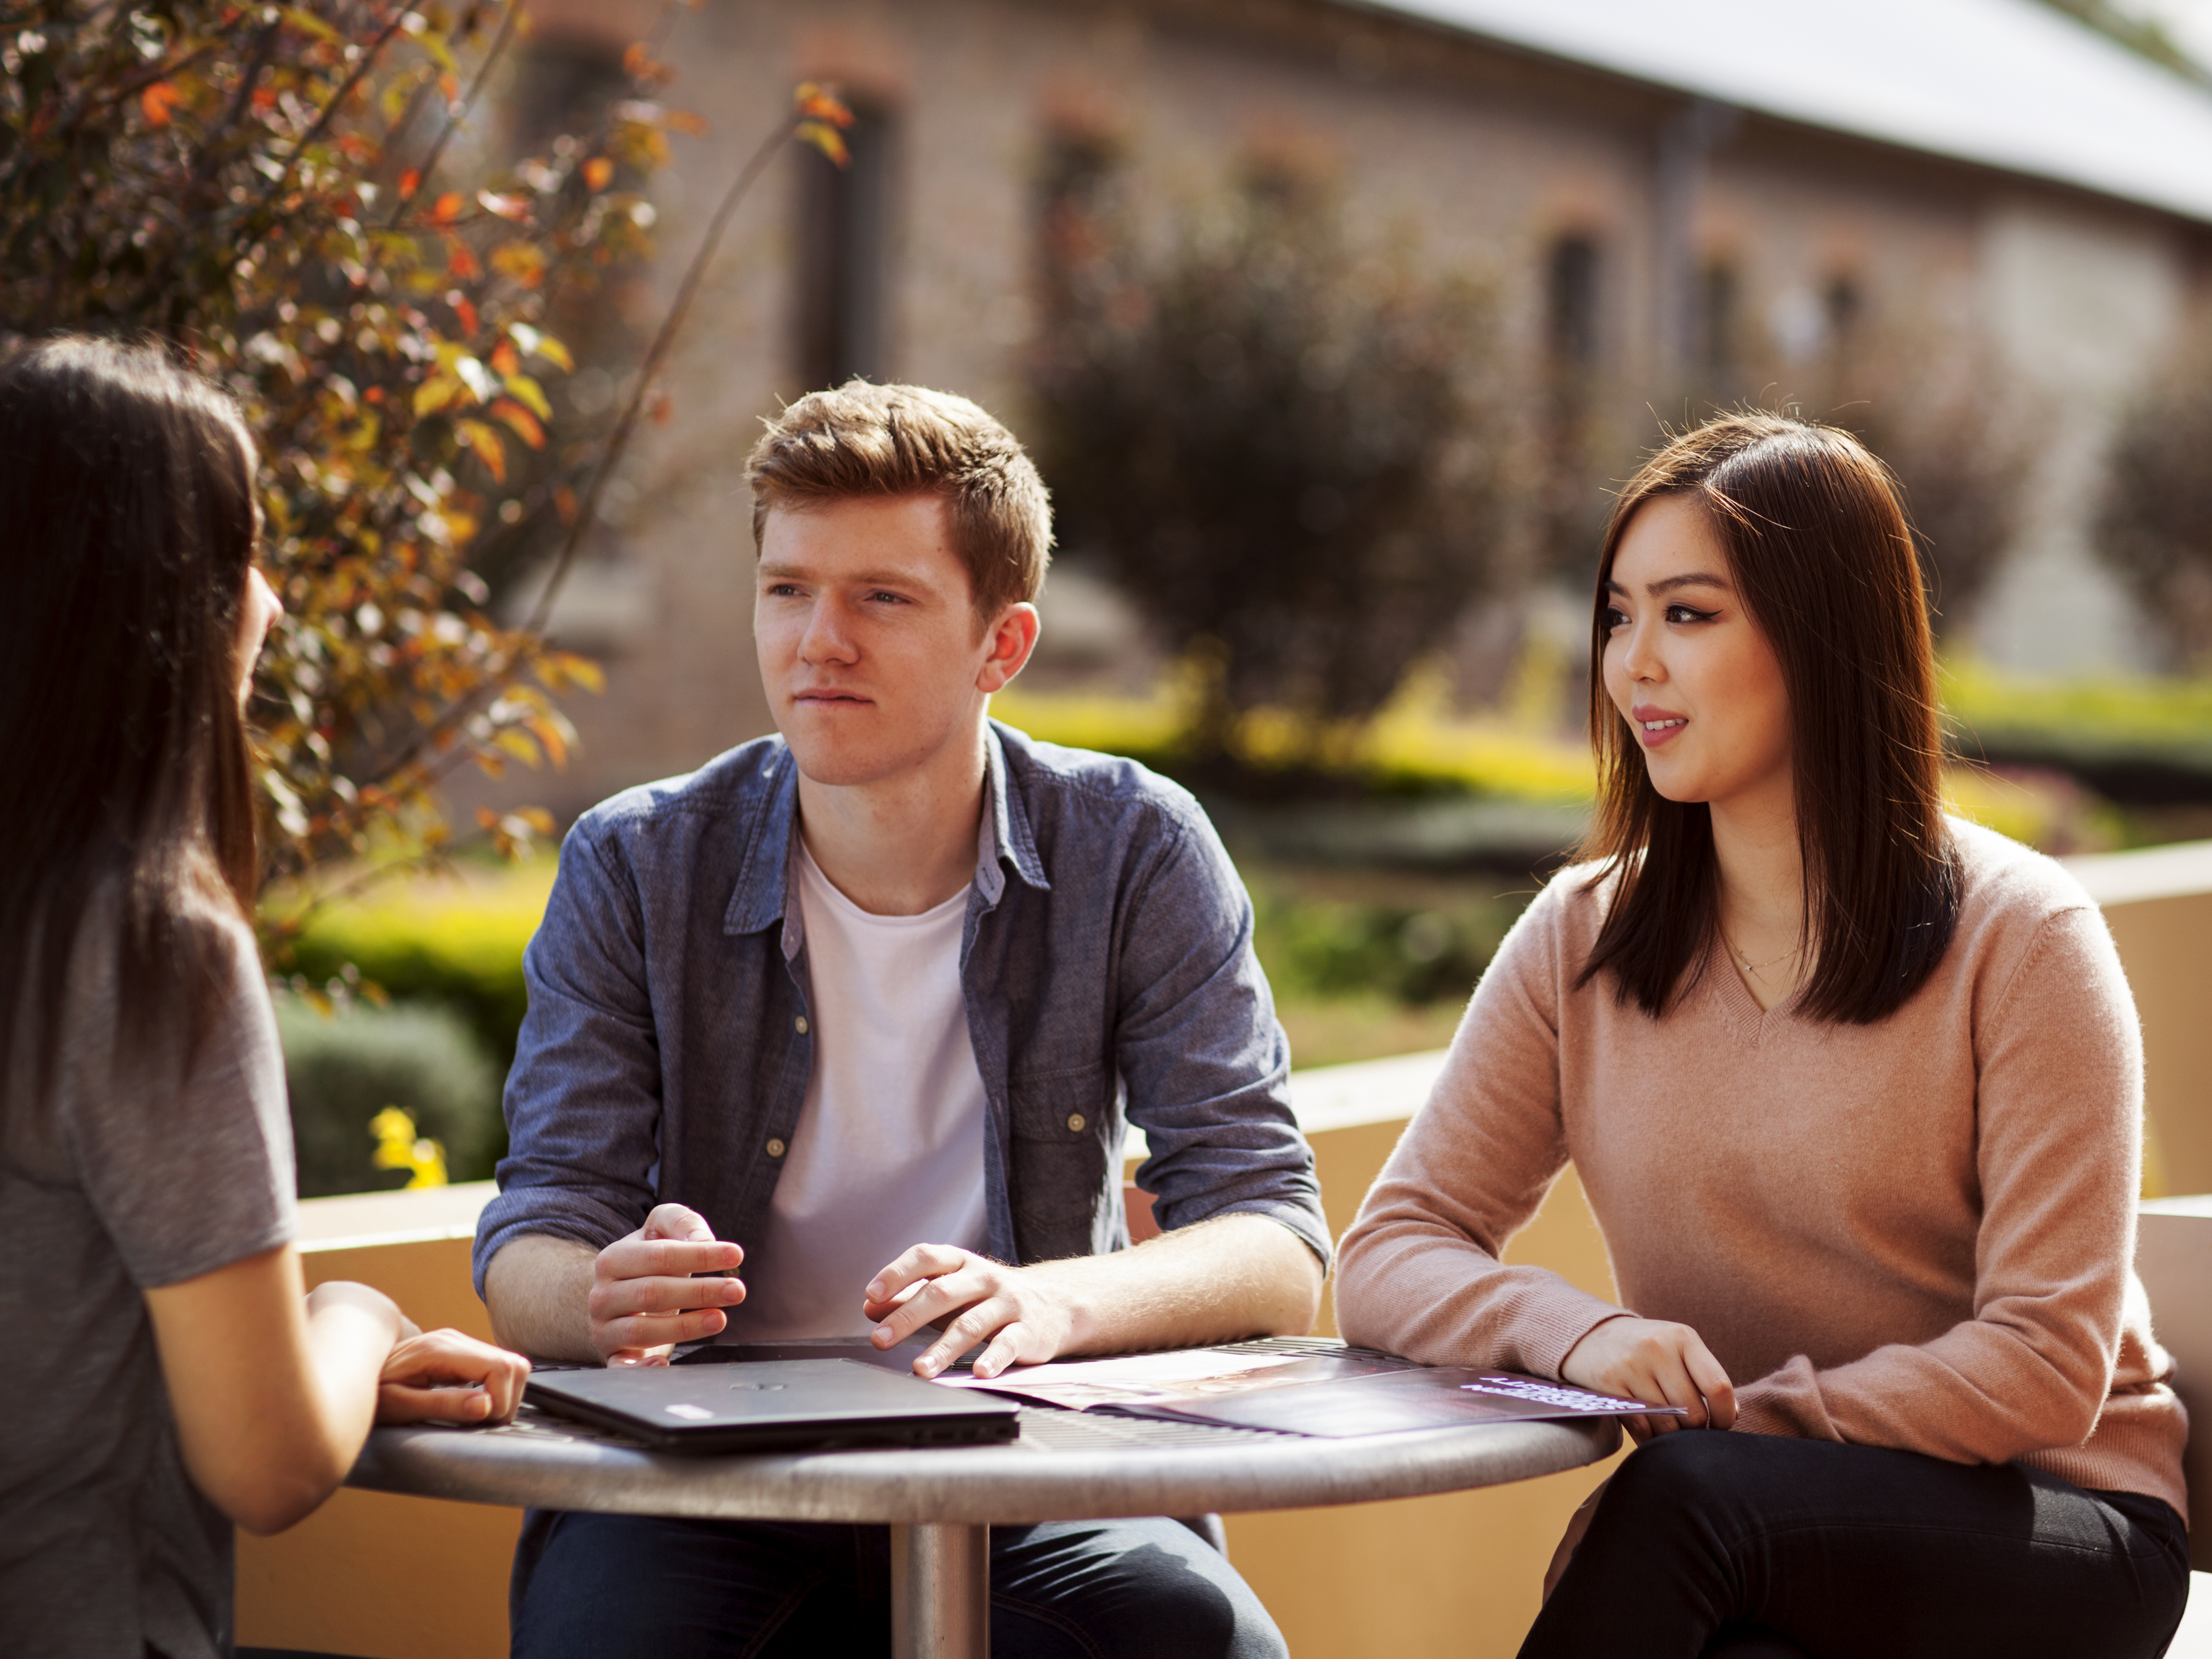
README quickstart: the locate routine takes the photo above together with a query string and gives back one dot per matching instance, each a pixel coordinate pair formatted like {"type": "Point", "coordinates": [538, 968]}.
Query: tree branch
{"type": "Point", "coordinates": [618, 441]}
{"type": "Point", "coordinates": [456, 116]}
{"type": "Point", "coordinates": [329, 112]}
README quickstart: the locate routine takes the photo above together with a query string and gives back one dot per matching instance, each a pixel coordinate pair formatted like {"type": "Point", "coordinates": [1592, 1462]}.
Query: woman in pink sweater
{"type": "Point", "coordinates": [1856, 1092]}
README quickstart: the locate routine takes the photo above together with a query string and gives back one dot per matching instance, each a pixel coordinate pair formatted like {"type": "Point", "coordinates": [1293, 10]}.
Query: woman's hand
{"type": "Point", "coordinates": [1658, 1362]}
{"type": "Point", "coordinates": [444, 1377]}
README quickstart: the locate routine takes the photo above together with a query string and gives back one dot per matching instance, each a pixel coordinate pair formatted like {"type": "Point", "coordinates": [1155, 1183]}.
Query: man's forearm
{"type": "Point", "coordinates": [539, 1292]}
{"type": "Point", "coordinates": [1235, 1276]}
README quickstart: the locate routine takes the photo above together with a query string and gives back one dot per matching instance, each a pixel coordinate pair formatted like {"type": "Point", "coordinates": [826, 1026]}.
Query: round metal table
{"type": "Point", "coordinates": [940, 1502]}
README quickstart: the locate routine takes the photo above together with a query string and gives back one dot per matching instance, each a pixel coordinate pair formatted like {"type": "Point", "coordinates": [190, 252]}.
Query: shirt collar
{"type": "Point", "coordinates": [1010, 836]}
{"type": "Point", "coordinates": [762, 897]}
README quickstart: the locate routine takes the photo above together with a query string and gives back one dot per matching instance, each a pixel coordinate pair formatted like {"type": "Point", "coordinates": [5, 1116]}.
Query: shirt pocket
{"type": "Point", "coordinates": [1059, 1161]}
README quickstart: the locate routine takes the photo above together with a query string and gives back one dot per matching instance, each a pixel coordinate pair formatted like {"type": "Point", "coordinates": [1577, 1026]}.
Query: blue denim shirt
{"type": "Point", "coordinates": [1106, 965]}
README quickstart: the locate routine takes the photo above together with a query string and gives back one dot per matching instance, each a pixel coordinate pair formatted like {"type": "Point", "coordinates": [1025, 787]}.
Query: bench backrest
{"type": "Point", "coordinates": [2173, 1256]}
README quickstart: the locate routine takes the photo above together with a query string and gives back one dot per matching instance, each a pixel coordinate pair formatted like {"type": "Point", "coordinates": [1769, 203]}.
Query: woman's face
{"type": "Point", "coordinates": [1689, 668]}
{"type": "Point", "coordinates": [258, 612]}
{"type": "Point", "coordinates": [256, 617]}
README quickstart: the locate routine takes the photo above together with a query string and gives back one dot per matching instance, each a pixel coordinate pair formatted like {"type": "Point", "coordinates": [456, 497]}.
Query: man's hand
{"type": "Point", "coordinates": [644, 1300]}
{"type": "Point", "coordinates": [443, 1376]}
{"type": "Point", "coordinates": [1659, 1363]}
{"type": "Point", "coordinates": [1019, 1311]}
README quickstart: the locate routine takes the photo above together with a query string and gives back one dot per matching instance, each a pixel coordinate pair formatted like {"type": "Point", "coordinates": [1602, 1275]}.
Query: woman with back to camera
{"type": "Point", "coordinates": [166, 1375]}
{"type": "Point", "coordinates": [1855, 1091]}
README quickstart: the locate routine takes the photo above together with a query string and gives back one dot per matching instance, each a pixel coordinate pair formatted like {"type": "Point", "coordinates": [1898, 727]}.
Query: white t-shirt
{"type": "Point", "coordinates": [888, 1150]}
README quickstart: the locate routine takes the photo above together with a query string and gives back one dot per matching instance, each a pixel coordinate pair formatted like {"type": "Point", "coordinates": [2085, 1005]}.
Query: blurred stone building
{"type": "Point", "coordinates": [1976, 209]}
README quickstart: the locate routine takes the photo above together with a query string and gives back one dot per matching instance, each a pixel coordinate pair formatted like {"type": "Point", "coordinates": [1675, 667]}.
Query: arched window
{"type": "Point", "coordinates": [1571, 303]}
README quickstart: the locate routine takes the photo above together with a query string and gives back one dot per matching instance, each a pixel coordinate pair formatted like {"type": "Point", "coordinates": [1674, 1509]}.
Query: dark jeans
{"type": "Point", "coordinates": [610, 1586]}
{"type": "Point", "coordinates": [1757, 1547]}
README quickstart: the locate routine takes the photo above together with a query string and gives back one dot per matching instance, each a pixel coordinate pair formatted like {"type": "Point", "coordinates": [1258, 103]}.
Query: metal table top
{"type": "Point", "coordinates": [1066, 1465]}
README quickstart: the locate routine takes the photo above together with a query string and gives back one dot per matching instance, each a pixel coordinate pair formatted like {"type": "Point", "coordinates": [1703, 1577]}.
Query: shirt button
{"type": "Point", "coordinates": [775, 1149]}
{"type": "Point", "coordinates": [800, 1025]}
{"type": "Point", "coordinates": [1075, 1123]}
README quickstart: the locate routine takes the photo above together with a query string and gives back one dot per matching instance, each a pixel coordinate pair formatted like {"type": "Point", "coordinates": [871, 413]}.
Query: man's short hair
{"type": "Point", "coordinates": [863, 440]}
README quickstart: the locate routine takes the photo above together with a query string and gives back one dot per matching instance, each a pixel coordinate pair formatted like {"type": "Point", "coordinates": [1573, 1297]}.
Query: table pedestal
{"type": "Point", "coordinates": [940, 1592]}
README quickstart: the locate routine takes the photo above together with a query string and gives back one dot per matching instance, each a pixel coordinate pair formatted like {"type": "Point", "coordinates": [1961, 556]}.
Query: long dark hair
{"type": "Point", "coordinates": [1818, 545]}
{"type": "Point", "coordinates": [127, 529]}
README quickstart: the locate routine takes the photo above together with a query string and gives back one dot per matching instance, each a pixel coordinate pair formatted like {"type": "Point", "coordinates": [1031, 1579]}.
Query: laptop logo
{"type": "Point", "coordinates": [689, 1413]}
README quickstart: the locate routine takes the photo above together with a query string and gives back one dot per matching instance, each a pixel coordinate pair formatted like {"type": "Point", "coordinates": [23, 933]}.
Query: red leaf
{"type": "Point", "coordinates": [409, 182]}
{"type": "Point", "coordinates": [460, 264]}
{"type": "Point", "coordinates": [157, 102]}
{"type": "Point", "coordinates": [466, 312]}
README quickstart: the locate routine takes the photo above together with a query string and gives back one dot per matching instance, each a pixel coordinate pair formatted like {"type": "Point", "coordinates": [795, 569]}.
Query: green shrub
{"type": "Point", "coordinates": [459, 945]}
{"type": "Point", "coordinates": [344, 1068]}
{"type": "Point", "coordinates": [1338, 948]}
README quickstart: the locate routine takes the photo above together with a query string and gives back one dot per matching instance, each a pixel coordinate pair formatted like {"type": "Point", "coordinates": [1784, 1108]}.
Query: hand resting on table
{"type": "Point", "coordinates": [1653, 1360]}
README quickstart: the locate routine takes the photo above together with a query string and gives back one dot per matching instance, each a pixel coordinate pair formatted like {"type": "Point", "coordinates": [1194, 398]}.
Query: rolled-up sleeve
{"type": "Point", "coordinates": [1203, 1059]}
{"type": "Point", "coordinates": [583, 1102]}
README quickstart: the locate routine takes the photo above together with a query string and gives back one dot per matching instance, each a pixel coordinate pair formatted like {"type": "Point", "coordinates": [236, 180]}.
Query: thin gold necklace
{"type": "Point", "coordinates": [1758, 968]}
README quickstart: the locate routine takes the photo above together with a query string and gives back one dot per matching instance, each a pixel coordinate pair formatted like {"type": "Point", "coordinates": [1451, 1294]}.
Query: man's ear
{"type": "Point", "coordinates": [1010, 639]}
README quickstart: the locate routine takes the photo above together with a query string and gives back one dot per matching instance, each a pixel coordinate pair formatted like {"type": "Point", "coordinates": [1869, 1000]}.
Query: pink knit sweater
{"type": "Point", "coordinates": [1916, 1234]}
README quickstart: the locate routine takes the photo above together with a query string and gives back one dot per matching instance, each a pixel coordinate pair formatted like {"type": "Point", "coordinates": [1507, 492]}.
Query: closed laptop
{"type": "Point", "coordinates": [773, 1405]}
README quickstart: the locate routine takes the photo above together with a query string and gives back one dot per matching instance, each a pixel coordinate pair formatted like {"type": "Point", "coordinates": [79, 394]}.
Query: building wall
{"type": "Point", "coordinates": [1485, 156]}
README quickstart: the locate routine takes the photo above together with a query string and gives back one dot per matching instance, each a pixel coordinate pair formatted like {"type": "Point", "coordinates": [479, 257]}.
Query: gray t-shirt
{"type": "Point", "coordinates": [112, 1184]}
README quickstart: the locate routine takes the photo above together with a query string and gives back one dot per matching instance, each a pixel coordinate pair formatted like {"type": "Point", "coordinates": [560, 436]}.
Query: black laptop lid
{"type": "Point", "coordinates": [773, 1405]}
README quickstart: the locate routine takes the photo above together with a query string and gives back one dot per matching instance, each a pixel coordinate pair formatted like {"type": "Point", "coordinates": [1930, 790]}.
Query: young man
{"type": "Point", "coordinates": [862, 1008]}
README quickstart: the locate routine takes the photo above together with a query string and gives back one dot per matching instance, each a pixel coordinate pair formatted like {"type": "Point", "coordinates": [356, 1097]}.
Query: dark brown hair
{"type": "Point", "coordinates": [126, 531]}
{"type": "Point", "coordinates": [863, 439]}
{"type": "Point", "coordinates": [1821, 553]}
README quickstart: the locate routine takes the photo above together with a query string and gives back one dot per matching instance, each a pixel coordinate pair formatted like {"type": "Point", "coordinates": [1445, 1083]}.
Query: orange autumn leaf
{"type": "Point", "coordinates": [683, 121]}
{"type": "Point", "coordinates": [564, 503]}
{"type": "Point", "coordinates": [460, 263]}
{"type": "Point", "coordinates": [446, 208]}
{"type": "Point", "coordinates": [158, 101]}
{"type": "Point", "coordinates": [520, 421]}
{"type": "Point", "coordinates": [598, 172]}
{"type": "Point", "coordinates": [409, 182]}
{"type": "Point", "coordinates": [505, 359]}
{"type": "Point", "coordinates": [641, 65]}
{"type": "Point", "coordinates": [464, 311]}
{"type": "Point", "coordinates": [822, 103]}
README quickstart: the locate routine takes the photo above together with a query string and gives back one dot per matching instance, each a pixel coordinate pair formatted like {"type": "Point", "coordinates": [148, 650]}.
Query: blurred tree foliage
{"type": "Point", "coordinates": [293, 194]}
{"type": "Point", "coordinates": [2155, 522]}
{"type": "Point", "coordinates": [1287, 446]}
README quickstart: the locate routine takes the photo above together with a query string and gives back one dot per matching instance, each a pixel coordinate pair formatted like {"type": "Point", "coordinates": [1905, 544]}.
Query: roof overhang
{"type": "Point", "coordinates": [2010, 84]}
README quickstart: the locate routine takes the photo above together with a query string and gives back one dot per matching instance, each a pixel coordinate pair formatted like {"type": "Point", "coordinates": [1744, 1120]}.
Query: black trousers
{"type": "Point", "coordinates": [635, 1587]}
{"type": "Point", "coordinates": [1757, 1547]}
